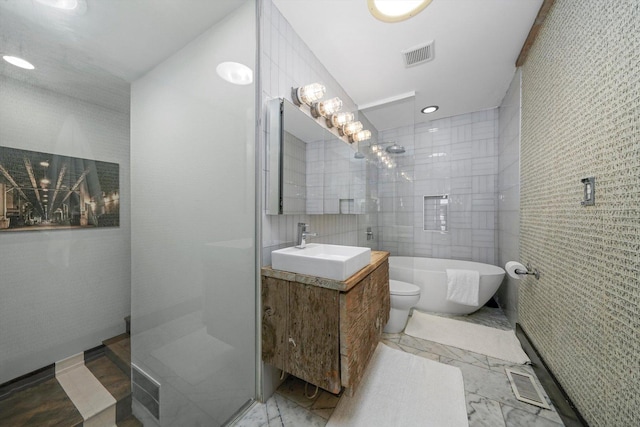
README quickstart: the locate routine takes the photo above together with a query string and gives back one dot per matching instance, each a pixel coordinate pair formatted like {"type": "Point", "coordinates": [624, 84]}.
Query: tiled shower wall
{"type": "Point", "coordinates": [509, 195]}
{"type": "Point", "coordinates": [580, 118]}
{"type": "Point", "coordinates": [455, 156]}
{"type": "Point", "coordinates": [286, 62]}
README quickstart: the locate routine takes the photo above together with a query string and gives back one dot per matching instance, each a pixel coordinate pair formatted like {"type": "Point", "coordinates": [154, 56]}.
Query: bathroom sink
{"type": "Point", "coordinates": [328, 261]}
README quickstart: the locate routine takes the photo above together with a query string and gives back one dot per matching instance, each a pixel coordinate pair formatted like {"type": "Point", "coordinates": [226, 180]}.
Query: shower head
{"type": "Point", "coordinates": [395, 149]}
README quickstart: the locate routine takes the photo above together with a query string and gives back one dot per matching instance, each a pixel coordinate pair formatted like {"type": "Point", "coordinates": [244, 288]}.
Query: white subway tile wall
{"type": "Point", "coordinates": [457, 156]}
{"type": "Point", "coordinates": [286, 62]}
{"type": "Point", "coordinates": [509, 194]}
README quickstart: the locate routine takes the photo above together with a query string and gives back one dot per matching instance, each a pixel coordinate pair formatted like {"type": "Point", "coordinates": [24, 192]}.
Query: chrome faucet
{"type": "Point", "coordinates": [302, 235]}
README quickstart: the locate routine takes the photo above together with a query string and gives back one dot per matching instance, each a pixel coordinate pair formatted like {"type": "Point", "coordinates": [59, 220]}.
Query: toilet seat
{"type": "Point", "coordinates": [397, 287]}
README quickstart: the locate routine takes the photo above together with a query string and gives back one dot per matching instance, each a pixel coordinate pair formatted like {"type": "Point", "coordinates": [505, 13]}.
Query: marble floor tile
{"type": "Point", "coordinates": [483, 412]}
{"type": "Point", "coordinates": [293, 415]}
{"type": "Point", "coordinates": [293, 389]}
{"type": "Point", "coordinates": [255, 417]}
{"type": "Point", "coordinates": [518, 418]}
{"type": "Point", "coordinates": [495, 385]}
{"type": "Point", "coordinates": [490, 399]}
{"type": "Point", "coordinates": [325, 404]}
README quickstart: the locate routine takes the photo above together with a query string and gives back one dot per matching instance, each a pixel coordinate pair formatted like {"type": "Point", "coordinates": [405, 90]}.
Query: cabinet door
{"type": "Point", "coordinates": [275, 297]}
{"type": "Point", "coordinates": [313, 351]}
{"type": "Point", "coordinates": [364, 311]}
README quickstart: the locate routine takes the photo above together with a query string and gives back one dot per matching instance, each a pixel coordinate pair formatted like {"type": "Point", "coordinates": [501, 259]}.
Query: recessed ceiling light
{"type": "Point", "coordinates": [60, 4]}
{"type": "Point", "coordinates": [396, 10]}
{"type": "Point", "coordinates": [430, 109]}
{"type": "Point", "coordinates": [18, 62]}
{"type": "Point", "coordinates": [236, 73]}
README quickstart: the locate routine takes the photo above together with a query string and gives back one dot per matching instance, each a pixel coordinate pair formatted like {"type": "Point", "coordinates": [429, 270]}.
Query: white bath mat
{"type": "Point", "coordinates": [477, 338]}
{"type": "Point", "coordinates": [399, 389]}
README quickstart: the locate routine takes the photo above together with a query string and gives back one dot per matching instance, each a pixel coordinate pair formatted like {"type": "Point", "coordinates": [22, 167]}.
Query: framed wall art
{"type": "Point", "coordinates": [43, 191]}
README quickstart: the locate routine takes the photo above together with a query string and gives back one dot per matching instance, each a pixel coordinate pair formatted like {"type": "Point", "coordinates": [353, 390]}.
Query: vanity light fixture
{"type": "Point", "coordinates": [396, 10]}
{"type": "Point", "coordinates": [340, 119]}
{"type": "Point", "coordinates": [360, 136]}
{"type": "Point", "coordinates": [430, 109]}
{"type": "Point", "coordinates": [307, 94]}
{"type": "Point", "coordinates": [350, 128]}
{"type": "Point", "coordinates": [18, 62]}
{"type": "Point", "coordinates": [326, 108]}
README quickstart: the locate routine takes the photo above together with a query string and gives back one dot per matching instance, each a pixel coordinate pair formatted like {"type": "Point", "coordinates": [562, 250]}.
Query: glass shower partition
{"type": "Point", "coordinates": [193, 231]}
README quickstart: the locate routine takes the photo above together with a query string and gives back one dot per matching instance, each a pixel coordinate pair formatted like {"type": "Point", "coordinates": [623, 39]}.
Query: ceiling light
{"type": "Point", "coordinates": [340, 119]}
{"type": "Point", "coordinates": [326, 108]}
{"type": "Point", "coordinates": [430, 109]}
{"type": "Point", "coordinates": [60, 4]}
{"type": "Point", "coordinates": [308, 94]}
{"type": "Point", "coordinates": [45, 181]}
{"type": "Point", "coordinates": [236, 73]}
{"type": "Point", "coordinates": [18, 62]}
{"type": "Point", "coordinates": [396, 10]}
{"type": "Point", "coordinates": [45, 164]}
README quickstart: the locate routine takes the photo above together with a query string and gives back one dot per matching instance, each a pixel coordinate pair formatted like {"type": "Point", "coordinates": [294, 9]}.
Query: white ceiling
{"type": "Point", "coordinates": [93, 55]}
{"type": "Point", "coordinates": [477, 43]}
{"type": "Point", "coordinates": [115, 41]}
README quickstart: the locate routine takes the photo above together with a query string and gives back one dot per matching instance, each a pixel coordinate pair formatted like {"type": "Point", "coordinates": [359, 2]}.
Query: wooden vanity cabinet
{"type": "Point", "coordinates": [321, 330]}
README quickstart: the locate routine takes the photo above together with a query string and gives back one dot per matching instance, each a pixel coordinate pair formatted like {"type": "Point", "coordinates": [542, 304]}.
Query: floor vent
{"type": "Point", "coordinates": [418, 54]}
{"type": "Point", "coordinates": [526, 389]}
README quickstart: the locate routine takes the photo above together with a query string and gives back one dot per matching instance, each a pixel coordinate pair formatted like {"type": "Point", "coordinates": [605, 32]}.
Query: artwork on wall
{"type": "Point", "coordinates": [43, 191]}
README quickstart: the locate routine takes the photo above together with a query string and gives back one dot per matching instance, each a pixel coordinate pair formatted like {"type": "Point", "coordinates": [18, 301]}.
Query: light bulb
{"type": "Point", "coordinates": [360, 136]}
{"type": "Point", "coordinates": [309, 94]}
{"type": "Point", "coordinates": [351, 128]}
{"type": "Point", "coordinates": [340, 119]}
{"type": "Point", "coordinates": [326, 108]}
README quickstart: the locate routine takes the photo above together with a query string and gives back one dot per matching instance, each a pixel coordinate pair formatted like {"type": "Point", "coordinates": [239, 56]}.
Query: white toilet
{"type": "Point", "coordinates": [403, 296]}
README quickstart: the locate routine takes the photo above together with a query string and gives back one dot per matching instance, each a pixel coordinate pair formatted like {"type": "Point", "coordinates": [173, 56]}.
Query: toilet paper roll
{"type": "Point", "coordinates": [511, 268]}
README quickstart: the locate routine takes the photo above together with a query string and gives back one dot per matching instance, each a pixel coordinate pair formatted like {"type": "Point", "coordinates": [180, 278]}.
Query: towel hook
{"type": "Point", "coordinates": [529, 271]}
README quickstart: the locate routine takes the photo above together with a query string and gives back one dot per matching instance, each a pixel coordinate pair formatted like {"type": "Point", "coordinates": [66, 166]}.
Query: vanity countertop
{"type": "Point", "coordinates": [377, 258]}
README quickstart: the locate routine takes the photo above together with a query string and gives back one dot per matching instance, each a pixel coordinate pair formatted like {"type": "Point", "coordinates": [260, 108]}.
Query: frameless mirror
{"type": "Point", "coordinates": [310, 170]}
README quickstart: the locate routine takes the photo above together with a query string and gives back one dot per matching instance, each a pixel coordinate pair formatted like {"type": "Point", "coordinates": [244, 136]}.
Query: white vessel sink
{"type": "Point", "coordinates": [328, 261]}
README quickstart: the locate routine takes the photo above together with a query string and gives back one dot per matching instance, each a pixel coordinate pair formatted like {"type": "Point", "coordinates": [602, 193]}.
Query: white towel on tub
{"type": "Point", "coordinates": [463, 286]}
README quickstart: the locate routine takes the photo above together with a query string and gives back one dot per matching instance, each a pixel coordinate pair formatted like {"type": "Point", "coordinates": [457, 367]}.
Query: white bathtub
{"type": "Point", "coordinates": [430, 274]}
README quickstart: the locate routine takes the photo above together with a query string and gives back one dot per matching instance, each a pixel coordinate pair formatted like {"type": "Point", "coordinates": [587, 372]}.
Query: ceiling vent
{"type": "Point", "coordinates": [418, 54]}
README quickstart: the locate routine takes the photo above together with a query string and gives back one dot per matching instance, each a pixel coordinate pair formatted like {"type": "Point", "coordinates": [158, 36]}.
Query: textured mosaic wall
{"type": "Point", "coordinates": [580, 118]}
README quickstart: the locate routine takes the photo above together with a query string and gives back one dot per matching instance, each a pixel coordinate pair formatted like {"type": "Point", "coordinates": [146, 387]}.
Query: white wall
{"type": "Point", "coordinates": [63, 291]}
{"type": "Point", "coordinates": [455, 156]}
{"type": "Point", "coordinates": [287, 62]}
{"type": "Point", "coordinates": [509, 195]}
{"type": "Point", "coordinates": [193, 234]}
